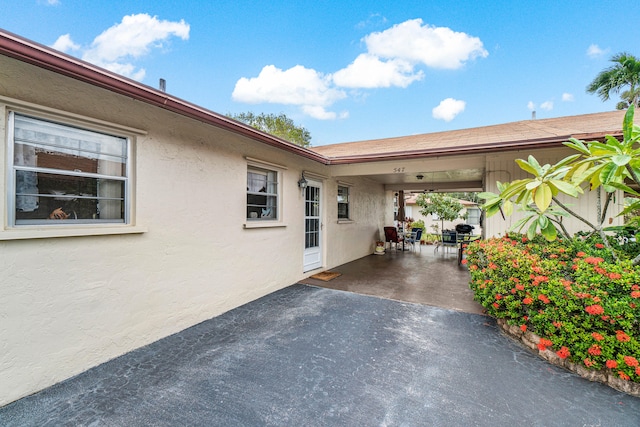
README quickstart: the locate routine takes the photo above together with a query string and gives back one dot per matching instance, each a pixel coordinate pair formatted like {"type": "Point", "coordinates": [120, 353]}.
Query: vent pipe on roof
{"type": "Point", "coordinates": [533, 115]}
{"type": "Point", "coordinates": [163, 85]}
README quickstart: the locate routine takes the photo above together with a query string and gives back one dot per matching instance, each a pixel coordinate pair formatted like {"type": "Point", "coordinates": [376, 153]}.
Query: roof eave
{"type": "Point", "coordinates": [33, 53]}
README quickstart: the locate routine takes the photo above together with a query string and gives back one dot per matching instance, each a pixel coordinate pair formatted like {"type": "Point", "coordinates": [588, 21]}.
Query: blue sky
{"type": "Point", "coordinates": [356, 70]}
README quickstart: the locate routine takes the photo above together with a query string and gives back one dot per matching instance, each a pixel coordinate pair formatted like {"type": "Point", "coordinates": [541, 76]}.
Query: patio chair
{"type": "Point", "coordinates": [391, 236]}
{"type": "Point", "coordinates": [449, 239]}
{"type": "Point", "coordinates": [416, 236]}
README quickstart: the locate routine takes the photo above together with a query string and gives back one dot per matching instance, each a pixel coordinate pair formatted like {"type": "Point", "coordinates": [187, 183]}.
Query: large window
{"type": "Point", "coordinates": [66, 174]}
{"type": "Point", "coordinates": [343, 202]}
{"type": "Point", "coordinates": [262, 194]}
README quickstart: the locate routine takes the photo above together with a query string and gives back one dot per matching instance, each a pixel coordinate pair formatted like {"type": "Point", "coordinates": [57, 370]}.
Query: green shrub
{"type": "Point", "coordinates": [571, 293]}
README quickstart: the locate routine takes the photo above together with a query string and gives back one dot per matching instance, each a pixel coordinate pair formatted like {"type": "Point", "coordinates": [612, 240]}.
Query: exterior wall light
{"type": "Point", "coordinates": [302, 183]}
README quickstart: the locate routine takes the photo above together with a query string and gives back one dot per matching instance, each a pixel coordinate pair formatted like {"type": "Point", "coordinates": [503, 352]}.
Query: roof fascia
{"type": "Point", "coordinates": [41, 56]}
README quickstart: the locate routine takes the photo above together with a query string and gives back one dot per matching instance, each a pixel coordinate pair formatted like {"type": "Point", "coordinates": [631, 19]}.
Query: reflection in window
{"type": "Point", "coordinates": [64, 172]}
{"type": "Point", "coordinates": [262, 194]}
{"type": "Point", "coordinates": [343, 202]}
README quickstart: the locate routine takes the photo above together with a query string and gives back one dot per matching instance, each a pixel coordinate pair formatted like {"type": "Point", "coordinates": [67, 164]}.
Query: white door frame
{"type": "Point", "coordinates": [313, 225]}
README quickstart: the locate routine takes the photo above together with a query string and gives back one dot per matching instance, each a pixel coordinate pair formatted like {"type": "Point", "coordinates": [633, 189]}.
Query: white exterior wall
{"type": "Point", "coordinates": [71, 303]}
{"type": "Point", "coordinates": [502, 167]}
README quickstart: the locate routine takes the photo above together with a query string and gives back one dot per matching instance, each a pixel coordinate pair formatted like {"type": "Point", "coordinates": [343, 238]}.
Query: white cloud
{"type": "Point", "coordinates": [547, 105]}
{"type": "Point", "coordinates": [448, 109]}
{"type": "Point", "coordinates": [437, 47]}
{"type": "Point", "coordinates": [131, 39]}
{"type": "Point", "coordinates": [368, 71]}
{"type": "Point", "coordinates": [65, 44]}
{"type": "Point", "coordinates": [594, 51]}
{"type": "Point", "coordinates": [567, 97]}
{"type": "Point", "coordinates": [391, 60]}
{"type": "Point", "coordinates": [298, 85]}
{"type": "Point", "coordinates": [531, 106]}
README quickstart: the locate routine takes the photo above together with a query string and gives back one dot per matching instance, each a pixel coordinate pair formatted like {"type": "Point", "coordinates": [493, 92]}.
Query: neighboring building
{"type": "Point", "coordinates": [130, 214]}
{"type": "Point", "coordinates": [470, 210]}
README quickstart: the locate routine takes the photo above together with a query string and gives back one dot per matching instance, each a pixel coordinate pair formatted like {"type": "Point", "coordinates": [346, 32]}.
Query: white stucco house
{"type": "Point", "coordinates": [128, 214]}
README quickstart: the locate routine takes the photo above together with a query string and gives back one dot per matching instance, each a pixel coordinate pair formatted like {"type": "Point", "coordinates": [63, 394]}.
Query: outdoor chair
{"type": "Point", "coordinates": [391, 236]}
{"type": "Point", "coordinates": [449, 239]}
{"type": "Point", "coordinates": [416, 236]}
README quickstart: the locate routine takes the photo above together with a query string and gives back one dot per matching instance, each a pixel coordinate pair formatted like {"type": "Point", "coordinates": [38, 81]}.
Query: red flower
{"type": "Point", "coordinates": [594, 309]}
{"type": "Point", "coordinates": [492, 266]}
{"type": "Point", "coordinates": [498, 297]}
{"type": "Point", "coordinates": [524, 240]}
{"type": "Point", "coordinates": [521, 287]}
{"type": "Point", "coordinates": [563, 353]}
{"type": "Point", "coordinates": [623, 375]}
{"type": "Point", "coordinates": [588, 363]}
{"type": "Point", "coordinates": [464, 261]}
{"type": "Point", "coordinates": [523, 328]}
{"type": "Point", "coordinates": [630, 361]}
{"type": "Point", "coordinates": [599, 245]}
{"type": "Point", "coordinates": [544, 298]}
{"type": "Point", "coordinates": [527, 300]}
{"type": "Point", "coordinates": [612, 364]}
{"type": "Point", "coordinates": [580, 254]}
{"type": "Point", "coordinates": [638, 371]}
{"type": "Point", "coordinates": [597, 336]}
{"type": "Point", "coordinates": [473, 267]}
{"type": "Point", "coordinates": [544, 343]}
{"type": "Point", "coordinates": [595, 350]}
{"type": "Point", "coordinates": [635, 287]}
{"type": "Point", "coordinates": [615, 276]}
{"type": "Point", "coordinates": [635, 294]}
{"type": "Point", "coordinates": [557, 324]}
{"type": "Point", "coordinates": [495, 305]}
{"type": "Point", "coordinates": [622, 337]}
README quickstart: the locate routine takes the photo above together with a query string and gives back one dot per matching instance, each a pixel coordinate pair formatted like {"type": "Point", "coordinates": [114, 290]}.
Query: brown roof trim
{"type": "Point", "coordinates": [41, 56]}
{"type": "Point", "coordinates": [468, 149]}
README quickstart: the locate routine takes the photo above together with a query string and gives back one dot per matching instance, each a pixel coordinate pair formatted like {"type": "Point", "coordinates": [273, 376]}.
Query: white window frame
{"type": "Point", "coordinates": [10, 229]}
{"type": "Point", "coordinates": [347, 203]}
{"type": "Point", "coordinates": [270, 219]}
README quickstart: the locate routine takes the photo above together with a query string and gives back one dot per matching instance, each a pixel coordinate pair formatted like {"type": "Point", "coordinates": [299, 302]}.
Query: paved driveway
{"type": "Point", "coordinates": [308, 356]}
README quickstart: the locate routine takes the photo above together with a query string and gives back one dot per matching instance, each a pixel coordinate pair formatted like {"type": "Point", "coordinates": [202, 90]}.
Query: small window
{"type": "Point", "coordinates": [473, 216]}
{"type": "Point", "coordinates": [343, 202]}
{"type": "Point", "coordinates": [62, 172]}
{"type": "Point", "coordinates": [262, 194]}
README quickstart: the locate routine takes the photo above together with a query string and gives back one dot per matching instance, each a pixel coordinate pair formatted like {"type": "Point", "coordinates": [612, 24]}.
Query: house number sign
{"type": "Point", "coordinates": [398, 170]}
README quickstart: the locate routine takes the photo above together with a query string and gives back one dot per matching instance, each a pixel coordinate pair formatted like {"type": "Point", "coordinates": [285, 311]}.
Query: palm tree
{"type": "Point", "coordinates": [625, 73]}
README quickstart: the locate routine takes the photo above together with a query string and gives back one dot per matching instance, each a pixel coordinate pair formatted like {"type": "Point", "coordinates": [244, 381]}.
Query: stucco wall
{"type": "Point", "coordinates": [72, 303]}
{"type": "Point", "coordinates": [503, 168]}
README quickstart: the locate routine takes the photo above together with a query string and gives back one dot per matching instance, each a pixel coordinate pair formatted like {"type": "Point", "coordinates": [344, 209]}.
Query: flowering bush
{"type": "Point", "coordinates": [571, 293]}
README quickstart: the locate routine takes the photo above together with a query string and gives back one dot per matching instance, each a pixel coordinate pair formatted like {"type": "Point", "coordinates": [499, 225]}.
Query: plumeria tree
{"type": "Point", "coordinates": [603, 167]}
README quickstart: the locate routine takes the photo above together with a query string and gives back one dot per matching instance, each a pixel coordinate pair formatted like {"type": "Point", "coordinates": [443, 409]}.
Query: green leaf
{"type": "Point", "coordinates": [549, 232]}
{"type": "Point", "coordinates": [621, 159]}
{"type": "Point", "coordinates": [627, 123]}
{"type": "Point", "coordinates": [531, 232]}
{"type": "Point", "coordinates": [487, 195]}
{"type": "Point", "coordinates": [543, 221]}
{"type": "Point", "coordinates": [533, 184]}
{"type": "Point", "coordinates": [566, 187]}
{"type": "Point", "coordinates": [507, 208]}
{"type": "Point", "coordinates": [542, 197]}
{"type": "Point", "coordinates": [525, 166]}
{"type": "Point", "coordinates": [578, 145]}
{"type": "Point", "coordinates": [608, 173]}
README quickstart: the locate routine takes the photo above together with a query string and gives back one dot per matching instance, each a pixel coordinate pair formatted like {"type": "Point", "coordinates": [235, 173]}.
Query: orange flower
{"type": "Point", "coordinates": [630, 361]}
{"type": "Point", "coordinates": [544, 343]}
{"type": "Point", "coordinates": [463, 262]}
{"type": "Point", "coordinates": [615, 276]}
{"type": "Point", "coordinates": [594, 309]}
{"type": "Point", "coordinates": [588, 363]}
{"type": "Point", "coordinates": [635, 294]}
{"type": "Point", "coordinates": [563, 353]}
{"type": "Point", "coordinates": [521, 287]}
{"type": "Point", "coordinates": [495, 305]}
{"type": "Point", "coordinates": [523, 328]}
{"type": "Point", "coordinates": [622, 337]}
{"type": "Point", "coordinates": [527, 300]}
{"type": "Point", "coordinates": [599, 245]}
{"type": "Point", "coordinates": [611, 364]}
{"type": "Point", "coordinates": [595, 350]}
{"type": "Point", "coordinates": [498, 297]}
{"type": "Point", "coordinates": [638, 371]}
{"type": "Point", "coordinates": [623, 375]}
{"type": "Point", "coordinates": [580, 254]}
{"type": "Point", "coordinates": [544, 298]}
{"type": "Point", "coordinates": [597, 336]}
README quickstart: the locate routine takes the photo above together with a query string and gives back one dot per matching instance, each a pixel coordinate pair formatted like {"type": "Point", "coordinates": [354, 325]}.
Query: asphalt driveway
{"type": "Point", "coordinates": [309, 356]}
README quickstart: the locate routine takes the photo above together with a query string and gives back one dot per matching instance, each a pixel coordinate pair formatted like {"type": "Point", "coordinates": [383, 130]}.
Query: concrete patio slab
{"type": "Point", "coordinates": [309, 356]}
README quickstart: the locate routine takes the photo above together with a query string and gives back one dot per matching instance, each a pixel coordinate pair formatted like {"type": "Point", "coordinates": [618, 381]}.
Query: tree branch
{"type": "Point", "coordinates": [574, 214]}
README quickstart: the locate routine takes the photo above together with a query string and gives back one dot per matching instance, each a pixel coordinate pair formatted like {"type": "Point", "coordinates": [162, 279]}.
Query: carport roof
{"type": "Point", "coordinates": [503, 137]}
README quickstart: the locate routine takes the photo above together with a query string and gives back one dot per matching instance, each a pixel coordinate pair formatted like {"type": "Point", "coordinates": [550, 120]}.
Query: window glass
{"type": "Point", "coordinates": [262, 194]}
{"type": "Point", "coordinates": [343, 202]}
{"type": "Point", "coordinates": [62, 172]}
{"type": "Point", "coordinates": [473, 216]}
